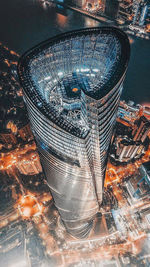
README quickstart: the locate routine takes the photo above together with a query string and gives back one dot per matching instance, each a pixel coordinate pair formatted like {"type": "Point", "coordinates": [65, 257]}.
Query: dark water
{"type": "Point", "coordinates": [25, 23]}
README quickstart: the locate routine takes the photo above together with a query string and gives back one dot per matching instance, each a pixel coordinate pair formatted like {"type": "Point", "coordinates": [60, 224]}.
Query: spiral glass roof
{"type": "Point", "coordinates": [89, 60]}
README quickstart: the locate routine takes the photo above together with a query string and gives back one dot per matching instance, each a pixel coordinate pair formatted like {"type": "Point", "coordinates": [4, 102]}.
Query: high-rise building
{"type": "Point", "coordinates": [29, 164]}
{"type": "Point", "coordinates": [125, 9]}
{"type": "Point", "coordinates": [140, 12]}
{"type": "Point", "coordinates": [72, 85]}
{"type": "Point", "coordinates": [25, 133]}
{"type": "Point", "coordinates": [8, 138]}
{"type": "Point", "coordinates": [132, 135]}
{"type": "Point", "coordinates": [111, 8]}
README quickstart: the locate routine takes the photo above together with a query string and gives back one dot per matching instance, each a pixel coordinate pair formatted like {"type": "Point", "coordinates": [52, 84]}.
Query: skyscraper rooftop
{"type": "Point", "coordinates": [72, 85]}
{"type": "Point", "coordinates": [56, 71]}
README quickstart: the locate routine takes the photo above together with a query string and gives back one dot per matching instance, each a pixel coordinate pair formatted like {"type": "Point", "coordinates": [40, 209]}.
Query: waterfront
{"type": "Point", "coordinates": [27, 23]}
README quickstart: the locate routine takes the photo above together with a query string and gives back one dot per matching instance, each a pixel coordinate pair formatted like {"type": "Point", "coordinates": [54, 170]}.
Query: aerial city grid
{"type": "Point", "coordinates": [74, 155]}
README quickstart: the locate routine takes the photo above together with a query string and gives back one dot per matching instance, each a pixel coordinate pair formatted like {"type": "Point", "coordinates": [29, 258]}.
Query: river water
{"type": "Point", "coordinates": [25, 23]}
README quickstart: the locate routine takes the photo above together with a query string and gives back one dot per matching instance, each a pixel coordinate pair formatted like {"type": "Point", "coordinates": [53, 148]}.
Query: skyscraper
{"type": "Point", "coordinates": [72, 85]}
{"type": "Point", "coordinates": [111, 8]}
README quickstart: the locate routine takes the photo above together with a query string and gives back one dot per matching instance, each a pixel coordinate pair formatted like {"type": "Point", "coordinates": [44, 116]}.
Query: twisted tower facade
{"type": "Point", "coordinates": [72, 85]}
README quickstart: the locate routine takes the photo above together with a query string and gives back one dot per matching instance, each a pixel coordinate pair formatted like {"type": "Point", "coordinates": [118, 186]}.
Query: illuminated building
{"type": "Point", "coordinates": [125, 10]}
{"type": "Point", "coordinates": [136, 8]}
{"type": "Point", "coordinates": [72, 86]}
{"type": "Point", "coordinates": [141, 129]}
{"type": "Point", "coordinates": [139, 185]}
{"type": "Point", "coordinates": [13, 248]}
{"type": "Point", "coordinates": [20, 245]}
{"type": "Point", "coordinates": [29, 164]}
{"type": "Point", "coordinates": [136, 12]}
{"type": "Point", "coordinates": [144, 14]}
{"type": "Point", "coordinates": [140, 12]}
{"type": "Point", "coordinates": [140, 133]}
{"type": "Point", "coordinates": [92, 4]}
{"type": "Point", "coordinates": [25, 133]}
{"type": "Point", "coordinates": [132, 139]}
{"type": "Point", "coordinates": [8, 138]}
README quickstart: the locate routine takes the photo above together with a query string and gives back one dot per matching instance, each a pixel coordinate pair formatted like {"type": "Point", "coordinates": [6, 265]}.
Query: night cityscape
{"type": "Point", "coordinates": [75, 109]}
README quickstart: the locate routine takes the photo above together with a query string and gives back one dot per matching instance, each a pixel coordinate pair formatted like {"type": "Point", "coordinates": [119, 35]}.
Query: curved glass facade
{"type": "Point", "coordinates": [72, 85]}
